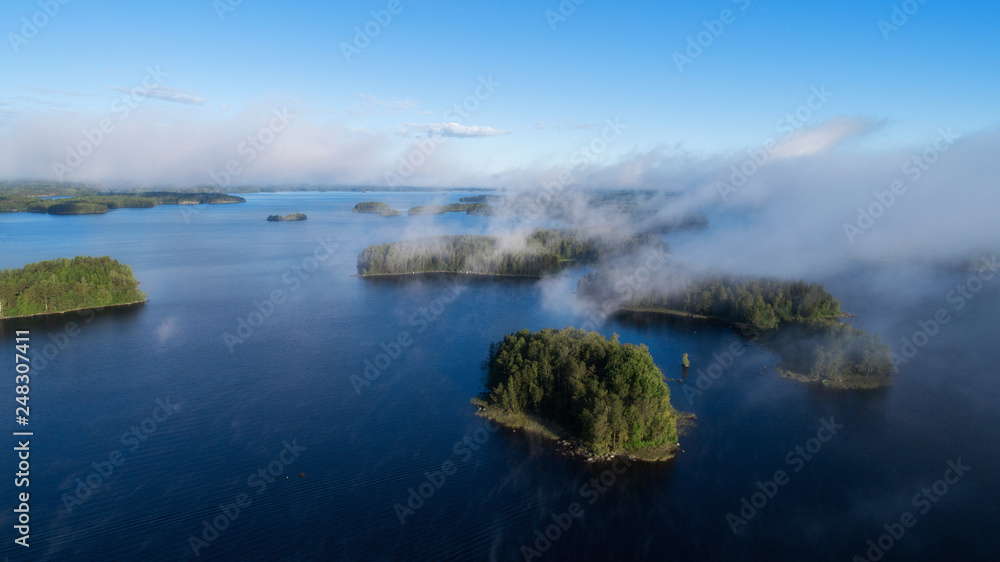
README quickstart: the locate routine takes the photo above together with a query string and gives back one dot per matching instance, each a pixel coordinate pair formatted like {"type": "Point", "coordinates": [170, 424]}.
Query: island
{"type": "Point", "coordinates": [572, 386]}
{"type": "Point", "coordinates": [482, 209]}
{"type": "Point", "coordinates": [535, 254]}
{"type": "Point", "coordinates": [441, 209]}
{"type": "Point", "coordinates": [289, 217]}
{"type": "Point", "coordinates": [64, 285]}
{"type": "Point", "coordinates": [375, 208]}
{"type": "Point", "coordinates": [94, 203]}
{"type": "Point", "coordinates": [483, 199]}
{"type": "Point", "coordinates": [801, 322]}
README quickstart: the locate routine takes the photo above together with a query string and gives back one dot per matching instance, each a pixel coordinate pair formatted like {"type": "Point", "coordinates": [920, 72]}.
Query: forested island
{"type": "Point", "coordinates": [483, 199]}
{"type": "Point", "coordinates": [540, 252]}
{"type": "Point", "coordinates": [62, 285]}
{"type": "Point", "coordinates": [799, 321]}
{"type": "Point", "coordinates": [289, 217]}
{"type": "Point", "coordinates": [92, 204]}
{"type": "Point", "coordinates": [467, 208]}
{"type": "Point", "coordinates": [579, 386]}
{"type": "Point", "coordinates": [375, 208]}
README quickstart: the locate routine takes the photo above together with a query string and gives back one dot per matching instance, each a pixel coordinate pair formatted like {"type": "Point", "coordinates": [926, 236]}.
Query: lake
{"type": "Point", "coordinates": [228, 398]}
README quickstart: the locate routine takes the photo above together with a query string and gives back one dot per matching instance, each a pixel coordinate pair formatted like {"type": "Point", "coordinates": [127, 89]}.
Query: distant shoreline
{"type": "Point", "coordinates": [40, 314]}
{"type": "Point", "coordinates": [470, 274]}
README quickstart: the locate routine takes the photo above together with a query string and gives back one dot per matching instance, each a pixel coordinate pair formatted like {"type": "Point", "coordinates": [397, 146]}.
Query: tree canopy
{"type": "Point", "coordinates": [760, 302]}
{"type": "Point", "coordinates": [798, 320]}
{"type": "Point", "coordinates": [538, 253]}
{"type": "Point", "coordinates": [65, 284]}
{"type": "Point", "coordinates": [608, 394]}
{"type": "Point", "coordinates": [288, 217]}
{"type": "Point", "coordinates": [101, 203]}
{"type": "Point", "coordinates": [375, 207]}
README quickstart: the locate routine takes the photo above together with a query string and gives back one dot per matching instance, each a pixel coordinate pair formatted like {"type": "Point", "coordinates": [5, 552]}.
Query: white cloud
{"type": "Point", "coordinates": [456, 130]}
{"type": "Point", "coordinates": [810, 140]}
{"type": "Point", "coordinates": [166, 94]}
{"type": "Point", "coordinates": [191, 142]}
{"type": "Point", "coordinates": [389, 104]}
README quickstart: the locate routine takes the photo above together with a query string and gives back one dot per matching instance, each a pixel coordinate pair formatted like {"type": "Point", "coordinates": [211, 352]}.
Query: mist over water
{"type": "Point", "coordinates": [366, 447]}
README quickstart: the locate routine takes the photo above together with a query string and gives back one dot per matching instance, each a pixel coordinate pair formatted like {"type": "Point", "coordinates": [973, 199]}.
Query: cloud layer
{"type": "Point", "coordinates": [806, 199]}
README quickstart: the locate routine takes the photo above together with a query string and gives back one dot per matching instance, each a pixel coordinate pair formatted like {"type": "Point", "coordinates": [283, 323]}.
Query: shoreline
{"type": "Point", "coordinates": [567, 446]}
{"type": "Point", "coordinates": [41, 314]}
{"type": "Point", "coordinates": [671, 312]}
{"type": "Point", "coordinates": [836, 384]}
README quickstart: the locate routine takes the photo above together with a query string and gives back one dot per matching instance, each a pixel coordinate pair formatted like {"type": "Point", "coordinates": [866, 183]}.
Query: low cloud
{"type": "Point", "coordinates": [455, 130]}
{"type": "Point", "coordinates": [166, 94]}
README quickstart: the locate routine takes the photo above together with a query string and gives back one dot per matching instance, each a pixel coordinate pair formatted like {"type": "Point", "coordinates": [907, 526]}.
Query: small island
{"type": "Point", "coordinates": [605, 397]}
{"type": "Point", "coordinates": [64, 285]}
{"type": "Point", "coordinates": [801, 322]}
{"type": "Point", "coordinates": [535, 254]}
{"type": "Point", "coordinates": [375, 208]}
{"type": "Point", "coordinates": [289, 217]}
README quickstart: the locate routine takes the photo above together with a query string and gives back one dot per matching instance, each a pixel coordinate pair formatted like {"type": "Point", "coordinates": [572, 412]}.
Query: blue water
{"type": "Point", "coordinates": [209, 268]}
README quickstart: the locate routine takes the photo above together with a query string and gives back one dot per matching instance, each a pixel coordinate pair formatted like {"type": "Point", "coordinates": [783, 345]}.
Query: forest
{"type": "Point", "coordinates": [799, 321]}
{"type": "Point", "coordinates": [607, 394]}
{"type": "Point", "coordinates": [467, 208]}
{"type": "Point", "coordinates": [102, 203]}
{"type": "Point", "coordinates": [375, 208]}
{"type": "Point", "coordinates": [761, 303]}
{"type": "Point", "coordinates": [62, 284]}
{"type": "Point", "coordinates": [288, 217]}
{"type": "Point", "coordinates": [482, 209]}
{"type": "Point", "coordinates": [440, 209]}
{"type": "Point", "coordinates": [541, 252]}
{"type": "Point", "coordinates": [482, 199]}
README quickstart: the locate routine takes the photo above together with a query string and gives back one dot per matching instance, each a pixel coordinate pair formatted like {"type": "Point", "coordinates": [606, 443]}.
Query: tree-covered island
{"type": "Point", "coordinates": [801, 322]}
{"type": "Point", "coordinates": [540, 252]}
{"type": "Point", "coordinates": [442, 209]}
{"type": "Point", "coordinates": [375, 208]}
{"type": "Point", "coordinates": [62, 285]}
{"type": "Point", "coordinates": [288, 217]}
{"type": "Point", "coordinates": [578, 386]}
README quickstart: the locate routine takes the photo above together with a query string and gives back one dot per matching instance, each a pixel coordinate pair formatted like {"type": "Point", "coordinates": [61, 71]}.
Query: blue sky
{"type": "Point", "coordinates": [556, 81]}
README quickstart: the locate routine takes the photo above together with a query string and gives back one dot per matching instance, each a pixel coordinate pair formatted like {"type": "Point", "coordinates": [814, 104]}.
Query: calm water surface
{"type": "Point", "coordinates": [242, 407]}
